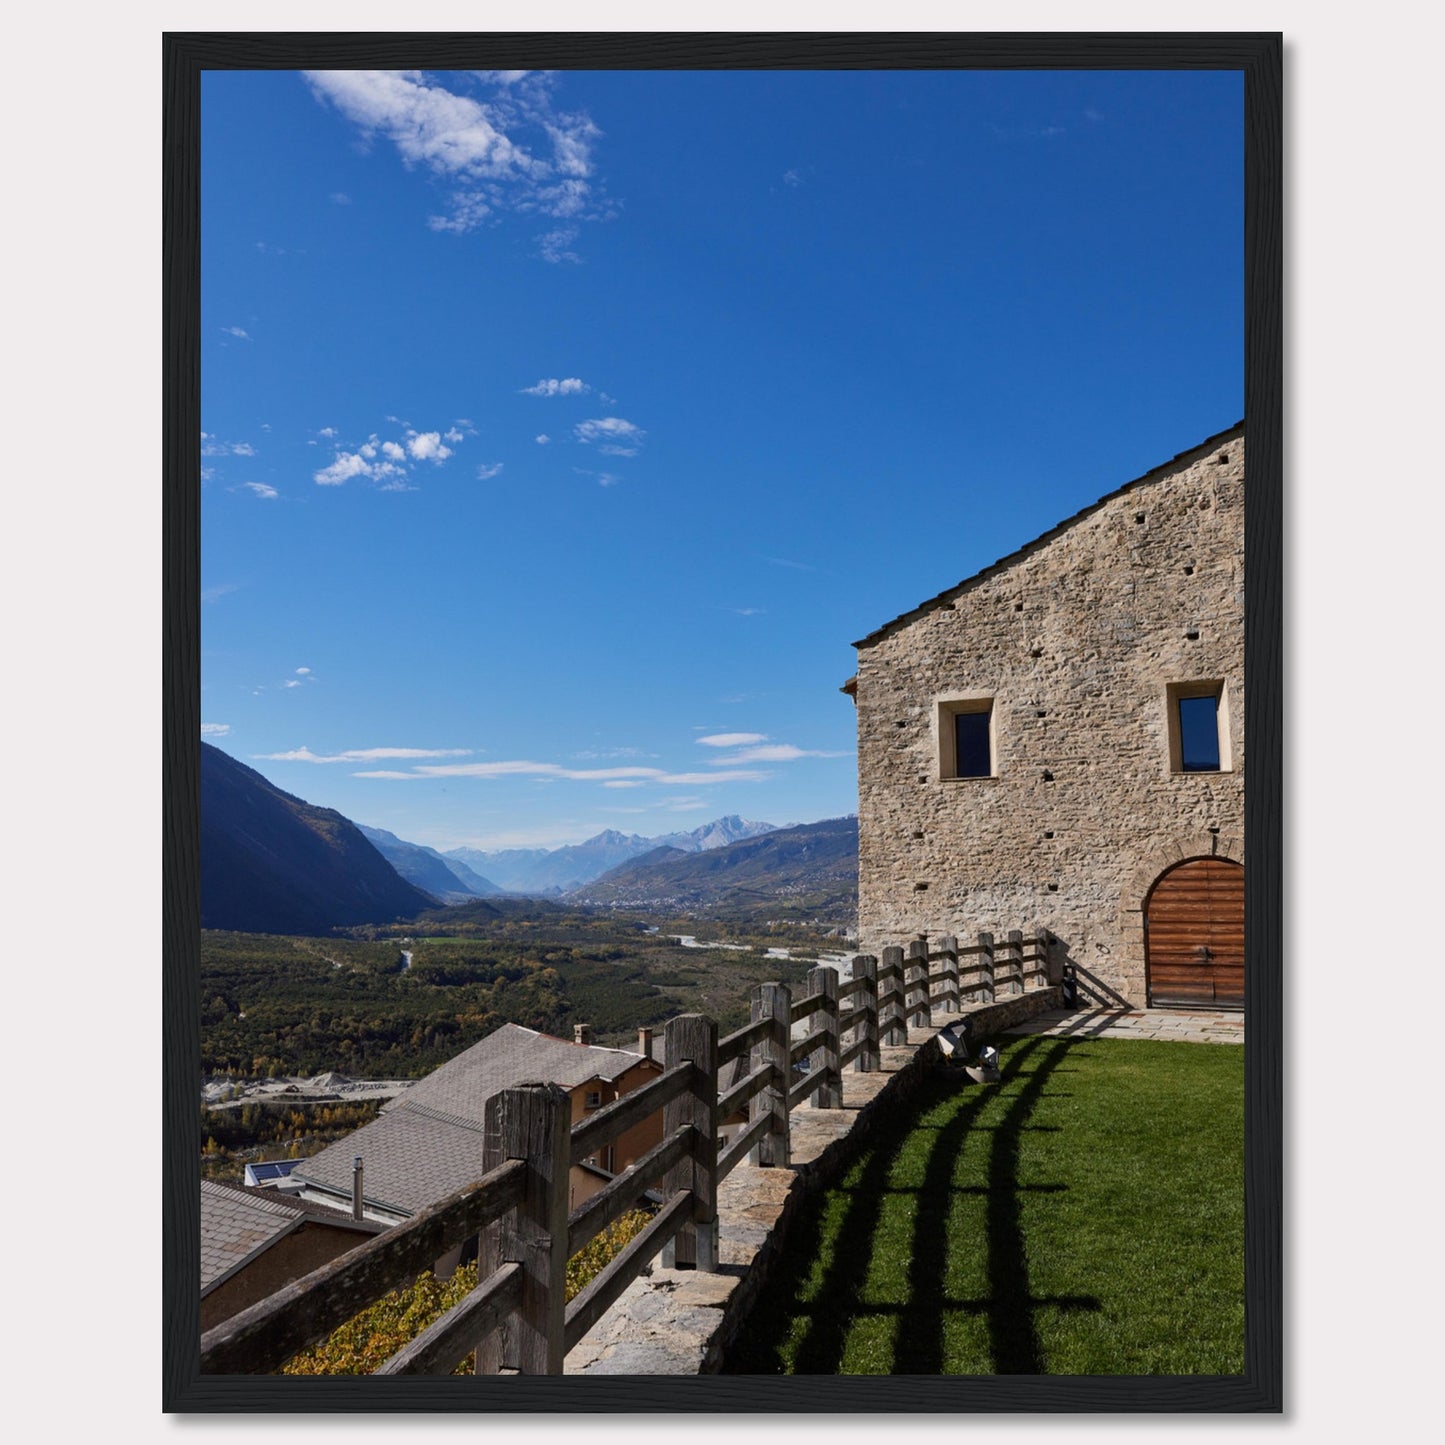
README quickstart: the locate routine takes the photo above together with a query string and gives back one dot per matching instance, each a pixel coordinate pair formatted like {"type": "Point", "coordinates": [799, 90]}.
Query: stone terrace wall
{"type": "Point", "coordinates": [1075, 640]}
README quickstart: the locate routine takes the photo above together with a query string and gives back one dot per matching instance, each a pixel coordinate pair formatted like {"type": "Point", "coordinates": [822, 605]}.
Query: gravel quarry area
{"type": "Point", "coordinates": [328, 1088]}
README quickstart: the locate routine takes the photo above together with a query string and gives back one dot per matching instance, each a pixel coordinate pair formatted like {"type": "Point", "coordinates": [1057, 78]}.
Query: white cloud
{"type": "Point", "coordinates": [507, 151]}
{"type": "Point", "coordinates": [792, 178]}
{"type": "Point", "coordinates": [485, 474]}
{"type": "Point", "coordinates": [237, 332]}
{"type": "Point", "coordinates": [623, 783]}
{"type": "Point", "coordinates": [302, 671]}
{"type": "Point", "coordinates": [291, 682]}
{"type": "Point", "coordinates": [747, 611]}
{"type": "Point", "coordinates": [553, 386]}
{"type": "Point", "coordinates": [542, 439]}
{"type": "Point", "coordinates": [620, 437]}
{"type": "Point", "coordinates": [214, 594]}
{"type": "Point", "coordinates": [261, 489]}
{"type": "Point", "coordinates": [387, 463]}
{"type": "Point", "coordinates": [732, 740]}
{"type": "Point", "coordinates": [346, 466]}
{"type": "Point", "coordinates": [453, 435]}
{"type": "Point", "coordinates": [329, 432]}
{"type": "Point", "coordinates": [340, 198]}
{"type": "Point", "coordinates": [243, 449]}
{"type": "Point", "coordinates": [215, 730]}
{"type": "Point", "coordinates": [427, 446]}
{"type": "Point", "coordinates": [359, 755]}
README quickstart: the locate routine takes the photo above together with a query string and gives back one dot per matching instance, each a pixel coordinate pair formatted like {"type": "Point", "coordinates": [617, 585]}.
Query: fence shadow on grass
{"type": "Point", "coordinates": [821, 1327]}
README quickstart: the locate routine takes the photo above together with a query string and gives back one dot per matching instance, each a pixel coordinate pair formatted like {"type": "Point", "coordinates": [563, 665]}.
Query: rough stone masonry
{"type": "Point", "coordinates": [1078, 645]}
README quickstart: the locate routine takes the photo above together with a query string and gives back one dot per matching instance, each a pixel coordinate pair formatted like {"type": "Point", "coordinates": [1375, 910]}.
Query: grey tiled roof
{"type": "Point", "coordinates": [428, 1143]}
{"type": "Point", "coordinates": [237, 1225]}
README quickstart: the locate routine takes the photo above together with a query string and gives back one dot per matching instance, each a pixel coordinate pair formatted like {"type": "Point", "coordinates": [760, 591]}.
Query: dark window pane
{"type": "Point", "coordinates": [1199, 734]}
{"type": "Point", "coordinates": [971, 741]}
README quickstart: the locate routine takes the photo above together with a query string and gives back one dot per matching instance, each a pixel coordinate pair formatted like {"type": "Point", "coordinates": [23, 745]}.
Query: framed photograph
{"type": "Point", "coordinates": [710, 581]}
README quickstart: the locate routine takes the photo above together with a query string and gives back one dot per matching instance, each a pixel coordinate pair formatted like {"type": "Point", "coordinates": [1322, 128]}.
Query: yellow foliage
{"type": "Point", "coordinates": [363, 1344]}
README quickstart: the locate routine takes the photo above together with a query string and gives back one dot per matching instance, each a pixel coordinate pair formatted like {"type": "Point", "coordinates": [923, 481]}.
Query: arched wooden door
{"type": "Point", "coordinates": [1194, 935]}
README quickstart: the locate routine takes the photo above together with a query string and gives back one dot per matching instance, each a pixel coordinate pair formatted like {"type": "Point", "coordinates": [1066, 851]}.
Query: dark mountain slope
{"type": "Point", "coordinates": [271, 863]}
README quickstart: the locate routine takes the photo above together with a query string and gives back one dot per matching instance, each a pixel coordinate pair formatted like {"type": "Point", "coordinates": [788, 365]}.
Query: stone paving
{"type": "Point", "coordinates": [1183, 1025]}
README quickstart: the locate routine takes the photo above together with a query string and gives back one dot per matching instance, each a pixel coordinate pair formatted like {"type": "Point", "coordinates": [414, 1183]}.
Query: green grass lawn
{"type": "Point", "coordinates": [1083, 1217]}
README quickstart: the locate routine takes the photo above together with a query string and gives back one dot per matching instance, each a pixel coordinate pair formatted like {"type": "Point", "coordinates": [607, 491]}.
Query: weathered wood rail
{"type": "Point", "coordinates": [516, 1320]}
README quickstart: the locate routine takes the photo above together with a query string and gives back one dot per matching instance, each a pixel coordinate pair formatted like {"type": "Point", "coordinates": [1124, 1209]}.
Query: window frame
{"type": "Point", "coordinates": [946, 709]}
{"type": "Point", "coordinates": [1177, 692]}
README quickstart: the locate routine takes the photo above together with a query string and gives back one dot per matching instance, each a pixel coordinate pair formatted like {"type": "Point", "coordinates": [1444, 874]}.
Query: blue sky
{"type": "Point", "coordinates": [562, 432]}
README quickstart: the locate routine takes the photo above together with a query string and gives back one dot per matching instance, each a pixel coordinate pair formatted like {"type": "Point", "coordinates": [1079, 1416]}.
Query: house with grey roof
{"type": "Point", "coordinates": [427, 1144]}
{"type": "Point", "coordinates": [254, 1241]}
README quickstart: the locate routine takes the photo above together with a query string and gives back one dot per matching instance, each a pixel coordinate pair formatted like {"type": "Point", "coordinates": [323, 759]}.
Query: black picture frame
{"type": "Point", "coordinates": [1258, 55]}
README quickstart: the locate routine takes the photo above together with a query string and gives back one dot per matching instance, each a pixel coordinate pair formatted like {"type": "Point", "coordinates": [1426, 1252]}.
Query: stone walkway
{"type": "Point", "coordinates": [1184, 1025]}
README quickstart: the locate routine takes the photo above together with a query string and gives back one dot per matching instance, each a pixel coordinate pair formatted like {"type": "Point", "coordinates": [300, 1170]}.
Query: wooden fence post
{"type": "Point", "coordinates": [1053, 970]}
{"type": "Point", "coordinates": [985, 992]}
{"type": "Point", "coordinates": [865, 1013]}
{"type": "Point", "coordinates": [531, 1122]}
{"type": "Point", "coordinates": [1015, 950]}
{"type": "Point", "coordinates": [693, 1037]}
{"type": "Point", "coordinates": [917, 1010]}
{"type": "Point", "coordinates": [948, 999]}
{"type": "Point", "coordinates": [890, 996]}
{"type": "Point", "coordinates": [823, 983]}
{"type": "Point", "coordinates": [773, 1001]}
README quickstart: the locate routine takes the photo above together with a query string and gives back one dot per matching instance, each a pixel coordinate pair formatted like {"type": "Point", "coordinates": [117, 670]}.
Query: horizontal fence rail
{"type": "Point", "coordinates": [743, 1086]}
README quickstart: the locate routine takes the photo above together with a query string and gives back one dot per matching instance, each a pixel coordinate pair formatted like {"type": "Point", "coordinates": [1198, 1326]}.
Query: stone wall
{"type": "Point", "coordinates": [1076, 638]}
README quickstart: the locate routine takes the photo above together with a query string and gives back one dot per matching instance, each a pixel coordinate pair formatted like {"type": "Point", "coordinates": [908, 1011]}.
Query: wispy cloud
{"type": "Point", "coordinates": [260, 489]}
{"type": "Point", "coordinates": [360, 755]}
{"type": "Point", "coordinates": [213, 446]}
{"type": "Point", "coordinates": [545, 772]}
{"type": "Point", "coordinates": [496, 137]}
{"type": "Point", "coordinates": [556, 246]}
{"type": "Point", "coordinates": [772, 753]}
{"type": "Point", "coordinates": [614, 435]}
{"type": "Point", "coordinates": [237, 332]}
{"type": "Point", "coordinates": [215, 730]}
{"type": "Point", "coordinates": [755, 748]}
{"type": "Point", "coordinates": [542, 439]}
{"type": "Point", "coordinates": [553, 386]}
{"type": "Point", "coordinates": [747, 611]}
{"type": "Point", "coordinates": [788, 562]}
{"type": "Point", "coordinates": [486, 473]}
{"type": "Point", "coordinates": [221, 589]}
{"type": "Point", "coordinates": [340, 198]}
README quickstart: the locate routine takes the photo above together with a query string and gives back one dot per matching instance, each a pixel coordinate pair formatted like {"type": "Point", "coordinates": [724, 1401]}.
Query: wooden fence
{"type": "Point", "coordinates": [516, 1320]}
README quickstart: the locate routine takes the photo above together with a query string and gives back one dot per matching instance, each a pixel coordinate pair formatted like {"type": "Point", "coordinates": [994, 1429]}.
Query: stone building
{"type": "Point", "coordinates": [1058, 742]}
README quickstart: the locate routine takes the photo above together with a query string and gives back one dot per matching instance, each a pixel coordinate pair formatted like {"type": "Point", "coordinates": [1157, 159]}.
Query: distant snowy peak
{"type": "Point", "coordinates": [717, 834]}
{"type": "Point", "coordinates": [534, 870]}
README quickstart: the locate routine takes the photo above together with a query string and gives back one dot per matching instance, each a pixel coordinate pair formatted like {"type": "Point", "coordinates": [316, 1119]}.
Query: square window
{"type": "Point", "coordinates": [965, 738]}
{"type": "Point", "coordinates": [1198, 727]}
{"type": "Point", "coordinates": [592, 1099]}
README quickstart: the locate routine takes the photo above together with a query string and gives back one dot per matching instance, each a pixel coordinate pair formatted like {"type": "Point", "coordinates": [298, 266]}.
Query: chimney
{"type": "Point", "coordinates": [356, 1187]}
{"type": "Point", "coordinates": [644, 1043]}
{"type": "Point", "coordinates": [582, 1034]}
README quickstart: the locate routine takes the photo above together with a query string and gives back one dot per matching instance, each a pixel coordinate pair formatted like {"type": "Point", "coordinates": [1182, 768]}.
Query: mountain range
{"type": "Point", "coordinates": [448, 879]}
{"type": "Point", "coordinates": [812, 867]}
{"type": "Point", "coordinates": [550, 871]}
